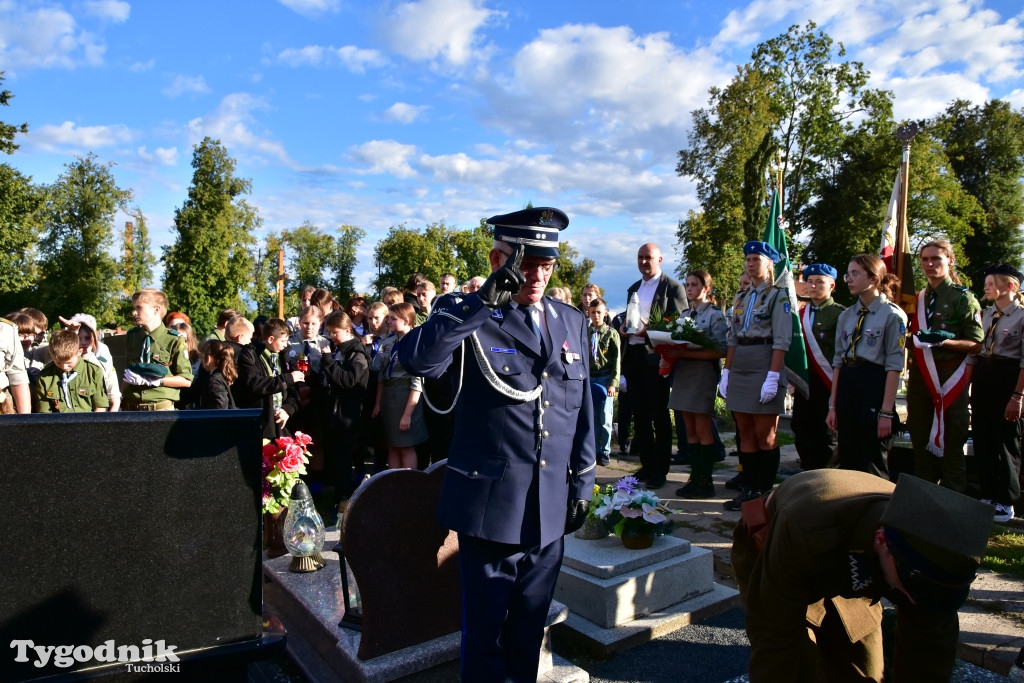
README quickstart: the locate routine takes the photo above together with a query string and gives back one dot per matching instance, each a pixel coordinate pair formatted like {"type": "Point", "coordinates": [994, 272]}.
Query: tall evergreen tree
{"type": "Point", "coordinates": [985, 146]}
{"type": "Point", "coordinates": [78, 272]}
{"type": "Point", "coordinates": [209, 267]}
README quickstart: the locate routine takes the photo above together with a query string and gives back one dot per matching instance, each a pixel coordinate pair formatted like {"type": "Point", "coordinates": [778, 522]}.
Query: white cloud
{"type": "Point", "coordinates": [162, 155]}
{"type": "Point", "coordinates": [599, 91]}
{"type": "Point", "coordinates": [139, 67]}
{"type": "Point", "coordinates": [351, 57]}
{"type": "Point", "coordinates": [385, 156]}
{"type": "Point", "coordinates": [232, 124]}
{"type": "Point", "coordinates": [311, 8]}
{"type": "Point", "coordinates": [68, 135]}
{"type": "Point", "coordinates": [183, 84]}
{"type": "Point", "coordinates": [114, 10]}
{"type": "Point", "coordinates": [46, 37]}
{"type": "Point", "coordinates": [400, 112]}
{"type": "Point", "coordinates": [437, 29]}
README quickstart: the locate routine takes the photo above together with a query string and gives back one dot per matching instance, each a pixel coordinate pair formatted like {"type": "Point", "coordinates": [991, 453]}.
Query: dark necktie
{"type": "Point", "coordinates": [930, 311]}
{"type": "Point", "coordinates": [991, 333]}
{"type": "Point", "coordinates": [810, 317]}
{"type": "Point", "coordinates": [273, 364]}
{"type": "Point", "coordinates": [532, 324]}
{"type": "Point", "coordinates": [857, 331]}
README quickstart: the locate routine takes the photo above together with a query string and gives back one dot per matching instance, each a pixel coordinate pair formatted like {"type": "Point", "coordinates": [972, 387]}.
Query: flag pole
{"type": "Point", "coordinates": [905, 134]}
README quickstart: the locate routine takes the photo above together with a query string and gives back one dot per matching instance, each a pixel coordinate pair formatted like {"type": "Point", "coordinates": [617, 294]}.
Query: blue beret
{"type": "Point", "coordinates": [820, 269]}
{"type": "Point", "coordinates": [536, 229]}
{"type": "Point", "coordinates": [761, 249]}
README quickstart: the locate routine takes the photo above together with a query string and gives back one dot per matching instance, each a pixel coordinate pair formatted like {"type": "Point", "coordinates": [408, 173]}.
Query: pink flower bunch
{"type": "Point", "coordinates": [284, 460]}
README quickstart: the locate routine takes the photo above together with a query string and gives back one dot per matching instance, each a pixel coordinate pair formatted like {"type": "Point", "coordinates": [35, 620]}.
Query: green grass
{"type": "Point", "coordinates": [1005, 553]}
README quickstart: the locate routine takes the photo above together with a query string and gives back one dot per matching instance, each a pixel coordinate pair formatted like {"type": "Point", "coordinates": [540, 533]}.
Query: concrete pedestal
{"type": "Point", "coordinates": [311, 606]}
{"type": "Point", "coordinates": [620, 598]}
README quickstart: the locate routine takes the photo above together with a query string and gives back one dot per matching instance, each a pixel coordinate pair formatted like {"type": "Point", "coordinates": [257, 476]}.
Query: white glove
{"type": "Point", "coordinates": [135, 379]}
{"type": "Point", "coordinates": [770, 387]}
{"type": "Point", "coordinates": [723, 384]}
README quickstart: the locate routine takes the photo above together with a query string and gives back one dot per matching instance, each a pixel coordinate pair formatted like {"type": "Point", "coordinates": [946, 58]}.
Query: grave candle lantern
{"type": "Point", "coordinates": [303, 531]}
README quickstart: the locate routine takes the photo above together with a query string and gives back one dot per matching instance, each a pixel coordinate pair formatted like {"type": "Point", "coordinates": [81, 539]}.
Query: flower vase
{"type": "Point", "coordinates": [273, 532]}
{"type": "Point", "coordinates": [637, 539]}
{"type": "Point", "coordinates": [592, 529]}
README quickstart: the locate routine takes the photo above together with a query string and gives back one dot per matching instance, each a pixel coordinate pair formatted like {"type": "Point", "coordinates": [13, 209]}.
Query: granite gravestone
{"type": "Point", "coordinates": [132, 528]}
{"type": "Point", "coordinates": [405, 563]}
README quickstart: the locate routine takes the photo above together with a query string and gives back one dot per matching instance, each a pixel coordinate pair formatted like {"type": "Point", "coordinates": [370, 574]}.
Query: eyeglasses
{"type": "Point", "coordinates": [852, 275]}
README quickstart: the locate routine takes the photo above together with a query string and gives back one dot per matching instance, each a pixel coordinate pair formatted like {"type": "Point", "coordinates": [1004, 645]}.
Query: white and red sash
{"type": "Point", "coordinates": [944, 395]}
{"type": "Point", "coordinates": [815, 358]}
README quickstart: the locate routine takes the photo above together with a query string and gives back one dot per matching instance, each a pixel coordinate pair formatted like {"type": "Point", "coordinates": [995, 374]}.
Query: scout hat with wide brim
{"type": "Point", "coordinates": [938, 538]}
{"type": "Point", "coordinates": [536, 229]}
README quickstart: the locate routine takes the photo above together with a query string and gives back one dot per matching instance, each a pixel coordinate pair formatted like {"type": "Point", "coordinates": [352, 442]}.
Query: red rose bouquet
{"type": "Point", "coordinates": [284, 460]}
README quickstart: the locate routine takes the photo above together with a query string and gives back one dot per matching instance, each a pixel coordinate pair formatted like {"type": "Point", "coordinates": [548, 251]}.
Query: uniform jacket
{"type": "Point", "coordinates": [167, 348]}
{"type": "Point", "coordinates": [504, 481]}
{"type": "Point", "coordinates": [255, 388]}
{"type": "Point", "coordinates": [85, 390]}
{"type": "Point", "coordinates": [606, 365]}
{"type": "Point", "coordinates": [818, 549]}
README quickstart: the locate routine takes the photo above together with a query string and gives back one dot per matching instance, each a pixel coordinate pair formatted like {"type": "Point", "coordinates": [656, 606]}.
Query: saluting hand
{"type": "Point", "coordinates": [505, 282]}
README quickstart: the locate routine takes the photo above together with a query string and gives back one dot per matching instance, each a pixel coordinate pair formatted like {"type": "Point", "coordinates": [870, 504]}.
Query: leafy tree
{"type": "Point", "coordinates": [8, 131]}
{"type": "Point", "coordinates": [571, 273]}
{"type": "Point", "coordinates": [985, 146]}
{"type": "Point", "coordinates": [136, 265]}
{"type": "Point", "coordinates": [313, 258]}
{"type": "Point", "coordinates": [439, 249]}
{"type": "Point", "coordinates": [785, 112]}
{"type": "Point", "coordinates": [209, 267]}
{"type": "Point", "coordinates": [78, 272]}
{"type": "Point", "coordinates": [20, 202]}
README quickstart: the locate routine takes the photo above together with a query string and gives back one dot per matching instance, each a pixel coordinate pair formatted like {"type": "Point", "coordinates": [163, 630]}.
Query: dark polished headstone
{"type": "Point", "coordinates": [129, 526]}
{"type": "Point", "coordinates": [405, 563]}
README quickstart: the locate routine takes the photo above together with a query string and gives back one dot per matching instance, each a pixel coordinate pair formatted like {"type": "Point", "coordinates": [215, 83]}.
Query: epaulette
{"type": "Point", "coordinates": [174, 332]}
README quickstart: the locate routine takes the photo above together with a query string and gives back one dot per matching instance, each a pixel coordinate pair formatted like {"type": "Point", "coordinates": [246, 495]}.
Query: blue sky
{"type": "Point", "coordinates": [379, 113]}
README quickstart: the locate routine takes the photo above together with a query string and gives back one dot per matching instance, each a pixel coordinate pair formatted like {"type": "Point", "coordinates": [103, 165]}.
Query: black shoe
{"type": "Point", "coordinates": [681, 458]}
{"type": "Point", "coordinates": [656, 481]}
{"type": "Point", "coordinates": [720, 455]}
{"type": "Point", "coordinates": [736, 483]}
{"type": "Point", "coordinates": [604, 462]}
{"type": "Point", "coordinates": [695, 491]}
{"type": "Point", "coordinates": [736, 504]}
{"type": "Point", "coordinates": [640, 475]}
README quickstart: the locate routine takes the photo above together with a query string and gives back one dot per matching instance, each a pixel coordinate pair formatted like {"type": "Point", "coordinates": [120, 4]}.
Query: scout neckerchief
{"type": "Point", "coordinates": [990, 334]}
{"type": "Point", "coordinates": [858, 331]}
{"type": "Point", "coordinates": [942, 395]}
{"type": "Point", "coordinates": [814, 353]}
{"type": "Point", "coordinates": [65, 387]}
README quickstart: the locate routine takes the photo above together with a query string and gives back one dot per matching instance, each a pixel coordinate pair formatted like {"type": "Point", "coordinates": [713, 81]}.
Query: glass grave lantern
{"type": "Point", "coordinates": [304, 532]}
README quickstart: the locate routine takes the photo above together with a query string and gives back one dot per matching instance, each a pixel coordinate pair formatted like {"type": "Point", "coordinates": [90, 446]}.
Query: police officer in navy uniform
{"type": "Point", "coordinates": [521, 464]}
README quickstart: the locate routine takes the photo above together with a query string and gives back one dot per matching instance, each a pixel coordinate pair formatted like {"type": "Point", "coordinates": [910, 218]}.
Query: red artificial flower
{"type": "Point", "coordinates": [290, 462]}
{"type": "Point", "coordinates": [283, 441]}
{"type": "Point", "coordinates": [269, 450]}
{"type": "Point", "coordinates": [304, 439]}
{"type": "Point", "coordinates": [293, 450]}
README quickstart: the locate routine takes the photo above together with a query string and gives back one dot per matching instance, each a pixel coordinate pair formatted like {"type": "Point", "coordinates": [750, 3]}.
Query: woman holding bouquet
{"type": "Point", "coordinates": [753, 381]}
{"type": "Point", "coordinates": [695, 381]}
{"type": "Point", "coordinates": [870, 338]}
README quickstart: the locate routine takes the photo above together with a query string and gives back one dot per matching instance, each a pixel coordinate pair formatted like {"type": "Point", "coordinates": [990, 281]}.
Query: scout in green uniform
{"type": "Point", "coordinates": [158, 364]}
{"type": "Point", "coordinates": [869, 357]}
{"type": "Point", "coordinates": [68, 384]}
{"type": "Point", "coordinates": [605, 365]}
{"type": "Point", "coordinates": [816, 556]}
{"type": "Point", "coordinates": [946, 329]}
{"type": "Point", "coordinates": [815, 440]}
{"type": "Point", "coordinates": [997, 391]}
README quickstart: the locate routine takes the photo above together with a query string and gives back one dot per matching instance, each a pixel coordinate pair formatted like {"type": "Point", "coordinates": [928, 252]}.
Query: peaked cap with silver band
{"type": "Point", "coordinates": [536, 229]}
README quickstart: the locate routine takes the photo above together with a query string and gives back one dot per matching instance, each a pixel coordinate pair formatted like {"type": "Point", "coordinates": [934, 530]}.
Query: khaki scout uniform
{"type": "Point", "coordinates": [956, 311]}
{"type": "Point", "coordinates": [815, 442]}
{"type": "Point", "coordinates": [996, 368]}
{"type": "Point", "coordinates": [761, 323]}
{"type": "Point", "coordinates": [166, 348]}
{"type": "Point", "coordinates": [818, 571]}
{"type": "Point", "coordinates": [83, 393]}
{"type": "Point", "coordinates": [12, 363]}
